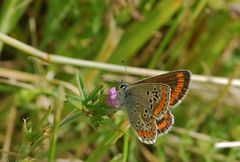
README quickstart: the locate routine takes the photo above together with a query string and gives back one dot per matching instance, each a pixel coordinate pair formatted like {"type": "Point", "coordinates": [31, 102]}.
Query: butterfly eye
{"type": "Point", "coordinates": [123, 86]}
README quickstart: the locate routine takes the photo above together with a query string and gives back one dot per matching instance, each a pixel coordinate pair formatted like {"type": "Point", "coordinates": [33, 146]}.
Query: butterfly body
{"type": "Point", "coordinates": [148, 103]}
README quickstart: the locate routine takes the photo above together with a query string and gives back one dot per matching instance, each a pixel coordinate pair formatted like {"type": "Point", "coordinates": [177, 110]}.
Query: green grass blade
{"type": "Point", "coordinates": [80, 86]}
{"type": "Point", "coordinates": [11, 12]}
{"type": "Point", "coordinates": [57, 116]}
{"type": "Point", "coordinates": [75, 114]}
{"type": "Point", "coordinates": [93, 94]}
{"type": "Point", "coordinates": [165, 41]}
{"type": "Point", "coordinates": [125, 146]}
{"type": "Point", "coordinates": [138, 33]}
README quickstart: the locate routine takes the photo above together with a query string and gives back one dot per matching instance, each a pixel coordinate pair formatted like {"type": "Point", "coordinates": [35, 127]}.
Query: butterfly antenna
{"type": "Point", "coordinates": [110, 80]}
{"type": "Point", "coordinates": [124, 63]}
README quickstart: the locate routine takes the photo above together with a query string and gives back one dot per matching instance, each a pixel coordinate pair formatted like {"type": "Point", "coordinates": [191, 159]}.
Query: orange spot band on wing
{"type": "Point", "coordinates": [180, 80]}
{"type": "Point", "coordinates": [141, 133]}
{"type": "Point", "coordinates": [180, 74]}
{"type": "Point", "coordinates": [178, 89]}
{"type": "Point", "coordinates": [165, 123]}
{"type": "Point", "coordinates": [162, 125]}
{"type": "Point", "coordinates": [146, 134]}
{"type": "Point", "coordinates": [162, 102]}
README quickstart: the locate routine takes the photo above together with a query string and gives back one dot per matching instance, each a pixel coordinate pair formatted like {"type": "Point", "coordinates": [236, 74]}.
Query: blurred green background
{"type": "Point", "coordinates": [39, 123]}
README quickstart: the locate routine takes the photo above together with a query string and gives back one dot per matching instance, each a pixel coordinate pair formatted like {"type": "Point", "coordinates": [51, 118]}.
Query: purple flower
{"type": "Point", "coordinates": [112, 97]}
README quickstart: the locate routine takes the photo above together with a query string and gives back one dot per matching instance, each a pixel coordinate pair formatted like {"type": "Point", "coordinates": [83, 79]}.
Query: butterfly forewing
{"type": "Point", "coordinates": [178, 81]}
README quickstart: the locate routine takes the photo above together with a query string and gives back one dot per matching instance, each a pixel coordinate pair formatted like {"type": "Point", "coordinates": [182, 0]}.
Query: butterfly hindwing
{"type": "Point", "coordinates": [165, 123]}
{"type": "Point", "coordinates": [144, 125]}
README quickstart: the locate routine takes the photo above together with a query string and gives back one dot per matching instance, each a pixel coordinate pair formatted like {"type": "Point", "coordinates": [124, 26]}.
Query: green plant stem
{"type": "Point", "coordinates": [125, 147]}
{"type": "Point", "coordinates": [104, 66]}
{"type": "Point", "coordinates": [57, 116]}
{"type": "Point", "coordinates": [28, 77]}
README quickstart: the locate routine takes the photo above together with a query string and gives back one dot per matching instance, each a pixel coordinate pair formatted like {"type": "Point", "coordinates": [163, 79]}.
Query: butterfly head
{"type": "Point", "coordinates": [123, 85]}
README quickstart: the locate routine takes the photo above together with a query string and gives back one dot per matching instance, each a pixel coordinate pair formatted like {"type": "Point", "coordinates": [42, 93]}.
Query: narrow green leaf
{"type": "Point", "coordinates": [75, 114]}
{"type": "Point", "coordinates": [166, 40]}
{"type": "Point", "coordinates": [80, 86]}
{"type": "Point", "coordinates": [138, 33]}
{"type": "Point", "coordinates": [11, 12]}
{"type": "Point", "coordinates": [93, 94]}
{"type": "Point", "coordinates": [125, 147]}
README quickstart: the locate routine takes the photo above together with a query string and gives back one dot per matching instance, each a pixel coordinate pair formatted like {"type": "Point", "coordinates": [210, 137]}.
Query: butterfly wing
{"type": "Point", "coordinates": [165, 123]}
{"type": "Point", "coordinates": [178, 81]}
{"type": "Point", "coordinates": [145, 128]}
{"type": "Point", "coordinates": [145, 103]}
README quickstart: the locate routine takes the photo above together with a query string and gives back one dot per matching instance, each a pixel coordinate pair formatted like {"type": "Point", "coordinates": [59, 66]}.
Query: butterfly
{"type": "Point", "coordinates": [149, 102]}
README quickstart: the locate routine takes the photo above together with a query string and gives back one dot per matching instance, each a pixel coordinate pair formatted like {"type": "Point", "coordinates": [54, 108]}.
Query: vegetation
{"type": "Point", "coordinates": [53, 85]}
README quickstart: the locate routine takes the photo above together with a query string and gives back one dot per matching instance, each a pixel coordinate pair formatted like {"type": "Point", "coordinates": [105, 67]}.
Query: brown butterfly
{"type": "Point", "coordinates": [148, 103]}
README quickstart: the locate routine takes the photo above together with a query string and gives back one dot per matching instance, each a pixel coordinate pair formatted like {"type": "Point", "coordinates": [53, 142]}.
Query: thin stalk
{"type": "Point", "coordinates": [57, 116]}
{"type": "Point", "coordinates": [9, 133]}
{"type": "Point", "coordinates": [104, 66]}
{"type": "Point", "coordinates": [125, 146]}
